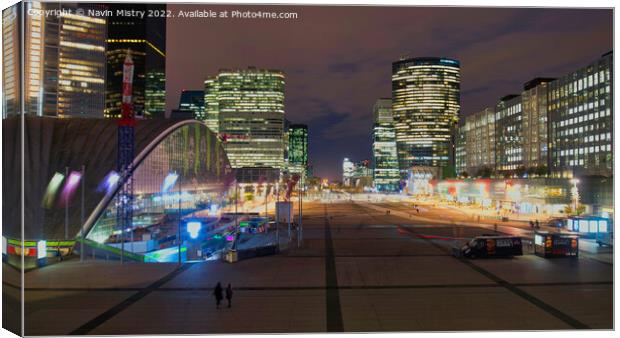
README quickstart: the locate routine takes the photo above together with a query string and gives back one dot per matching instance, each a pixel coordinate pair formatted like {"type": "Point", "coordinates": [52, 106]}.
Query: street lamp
{"type": "Point", "coordinates": [574, 192]}
{"type": "Point", "coordinates": [169, 181]}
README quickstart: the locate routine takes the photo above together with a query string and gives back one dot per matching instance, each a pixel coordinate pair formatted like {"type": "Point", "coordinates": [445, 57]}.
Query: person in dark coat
{"type": "Point", "coordinates": [217, 292]}
{"type": "Point", "coordinates": [229, 294]}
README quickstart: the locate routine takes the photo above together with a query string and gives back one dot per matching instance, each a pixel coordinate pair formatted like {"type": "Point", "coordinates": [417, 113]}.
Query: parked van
{"type": "Point", "coordinates": [491, 246]}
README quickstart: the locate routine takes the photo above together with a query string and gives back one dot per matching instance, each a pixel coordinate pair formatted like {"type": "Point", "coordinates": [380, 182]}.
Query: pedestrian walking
{"type": "Point", "coordinates": [537, 225]}
{"type": "Point", "coordinates": [495, 227]}
{"type": "Point", "coordinates": [229, 294]}
{"type": "Point", "coordinates": [217, 292]}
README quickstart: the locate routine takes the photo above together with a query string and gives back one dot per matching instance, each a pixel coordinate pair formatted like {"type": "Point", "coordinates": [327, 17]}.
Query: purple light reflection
{"type": "Point", "coordinates": [70, 187]}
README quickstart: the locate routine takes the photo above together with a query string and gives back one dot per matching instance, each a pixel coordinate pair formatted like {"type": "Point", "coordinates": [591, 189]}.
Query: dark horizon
{"type": "Point", "coordinates": [338, 59]}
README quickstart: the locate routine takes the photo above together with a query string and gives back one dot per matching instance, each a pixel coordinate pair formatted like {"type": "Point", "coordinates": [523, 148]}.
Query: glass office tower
{"type": "Point", "coordinates": [64, 60]}
{"type": "Point", "coordinates": [384, 154]}
{"type": "Point", "coordinates": [248, 105]}
{"type": "Point", "coordinates": [298, 148]}
{"type": "Point", "coordinates": [426, 104]}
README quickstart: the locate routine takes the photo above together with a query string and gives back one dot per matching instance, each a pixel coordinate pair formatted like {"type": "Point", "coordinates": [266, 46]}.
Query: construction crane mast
{"type": "Point", "coordinates": [125, 154]}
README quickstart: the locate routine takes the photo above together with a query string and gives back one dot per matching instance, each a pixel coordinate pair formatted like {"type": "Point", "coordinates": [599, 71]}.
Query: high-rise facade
{"type": "Point", "coordinates": [580, 111]}
{"type": "Point", "coordinates": [534, 110]}
{"type": "Point", "coordinates": [249, 105]}
{"type": "Point", "coordinates": [298, 148]}
{"type": "Point", "coordinates": [194, 101]}
{"type": "Point", "coordinates": [211, 110]}
{"type": "Point", "coordinates": [11, 57]}
{"type": "Point", "coordinates": [426, 104]}
{"type": "Point", "coordinates": [460, 153]}
{"type": "Point", "coordinates": [384, 155]}
{"type": "Point", "coordinates": [145, 40]}
{"type": "Point", "coordinates": [64, 60]}
{"type": "Point", "coordinates": [479, 140]}
{"type": "Point", "coordinates": [348, 171]}
{"type": "Point", "coordinates": [508, 133]}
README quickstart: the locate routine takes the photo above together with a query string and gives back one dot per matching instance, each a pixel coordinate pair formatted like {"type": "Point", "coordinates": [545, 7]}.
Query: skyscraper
{"type": "Point", "coordinates": [580, 112]}
{"type": "Point", "coordinates": [426, 104]}
{"type": "Point", "coordinates": [249, 106]}
{"type": "Point", "coordinates": [298, 148]}
{"type": "Point", "coordinates": [194, 101]}
{"type": "Point", "coordinates": [145, 40]}
{"type": "Point", "coordinates": [64, 60]}
{"type": "Point", "coordinates": [11, 56]}
{"type": "Point", "coordinates": [348, 171]}
{"type": "Point", "coordinates": [211, 110]}
{"type": "Point", "coordinates": [460, 150]}
{"type": "Point", "coordinates": [384, 155]}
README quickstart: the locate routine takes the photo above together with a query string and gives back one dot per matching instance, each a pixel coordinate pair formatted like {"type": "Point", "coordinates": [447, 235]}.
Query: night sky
{"type": "Point", "coordinates": [338, 60]}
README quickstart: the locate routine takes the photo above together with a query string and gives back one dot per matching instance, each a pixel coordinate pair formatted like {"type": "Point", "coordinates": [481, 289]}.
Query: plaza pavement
{"type": "Point", "coordinates": [358, 270]}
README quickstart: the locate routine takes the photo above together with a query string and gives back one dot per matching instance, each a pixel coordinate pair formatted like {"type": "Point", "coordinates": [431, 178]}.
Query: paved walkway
{"type": "Point", "coordinates": [358, 270]}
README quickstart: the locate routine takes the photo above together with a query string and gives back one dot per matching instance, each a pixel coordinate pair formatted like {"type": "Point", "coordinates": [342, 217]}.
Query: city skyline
{"type": "Point", "coordinates": [334, 79]}
{"type": "Point", "coordinates": [337, 168]}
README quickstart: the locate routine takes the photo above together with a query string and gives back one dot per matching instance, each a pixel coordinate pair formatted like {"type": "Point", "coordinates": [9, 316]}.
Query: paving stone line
{"type": "Point", "coordinates": [309, 288]}
{"type": "Point", "coordinates": [333, 311]}
{"type": "Point", "coordinates": [512, 288]}
{"type": "Point", "coordinates": [113, 311]}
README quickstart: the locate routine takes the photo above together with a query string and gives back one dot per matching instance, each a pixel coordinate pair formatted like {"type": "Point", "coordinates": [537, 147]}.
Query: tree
{"type": "Point", "coordinates": [541, 170]}
{"type": "Point", "coordinates": [581, 209]}
{"type": "Point", "coordinates": [464, 174]}
{"type": "Point", "coordinates": [530, 171]}
{"type": "Point", "coordinates": [485, 172]}
{"type": "Point", "coordinates": [449, 172]}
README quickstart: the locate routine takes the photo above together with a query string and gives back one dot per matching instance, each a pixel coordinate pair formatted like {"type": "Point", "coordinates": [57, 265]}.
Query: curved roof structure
{"type": "Point", "coordinates": [50, 146]}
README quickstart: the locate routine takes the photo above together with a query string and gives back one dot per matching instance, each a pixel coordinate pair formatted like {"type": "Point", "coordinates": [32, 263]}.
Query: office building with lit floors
{"type": "Point", "coordinates": [386, 176]}
{"type": "Point", "coordinates": [509, 136]}
{"type": "Point", "coordinates": [581, 121]}
{"type": "Point", "coordinates": [425, 104]}
{"type": "Point", "coordinates": [193, 101]}
{"type": "Point", "coordinates": [535, 126]}
{"type": "Point", "coordinates": [298, 149]}
{"type": "Point", "coordinates": [181, 174]}
{"type": "Point", "coordinates": [478, 132]}
{"type": "Point", "coordinates": [249, 106]}
{"type": "Point", "coordinates": [62, 56]}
